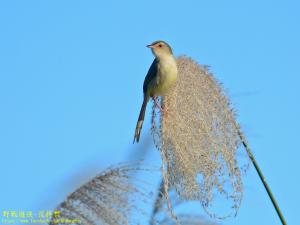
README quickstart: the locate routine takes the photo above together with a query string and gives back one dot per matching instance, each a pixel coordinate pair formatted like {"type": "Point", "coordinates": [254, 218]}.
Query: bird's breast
{"type": "Point", "coordinates": [167, 76]}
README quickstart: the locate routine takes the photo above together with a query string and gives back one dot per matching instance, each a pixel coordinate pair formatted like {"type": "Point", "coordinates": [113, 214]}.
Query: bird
{"type": "Point", "coordinates": [161, 76]}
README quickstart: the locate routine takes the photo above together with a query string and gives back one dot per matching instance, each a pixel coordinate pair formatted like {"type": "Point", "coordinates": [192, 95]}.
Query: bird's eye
{"type": "Point", "coordinates": [160, 45]}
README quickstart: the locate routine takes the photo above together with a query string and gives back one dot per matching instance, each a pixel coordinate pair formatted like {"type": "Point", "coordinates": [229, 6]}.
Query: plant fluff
{"type": "Point", "coordinates": [198, 139]}
{"type": "Point", "coordinates": [111, 198]}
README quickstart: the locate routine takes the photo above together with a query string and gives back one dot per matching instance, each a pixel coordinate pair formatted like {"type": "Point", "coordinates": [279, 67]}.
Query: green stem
{"type": "Point", "coordinates": [262, 178]}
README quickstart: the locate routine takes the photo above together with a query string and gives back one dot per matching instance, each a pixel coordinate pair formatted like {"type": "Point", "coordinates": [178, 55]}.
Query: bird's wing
{"type": "Point", "coordinates": [151, 76]}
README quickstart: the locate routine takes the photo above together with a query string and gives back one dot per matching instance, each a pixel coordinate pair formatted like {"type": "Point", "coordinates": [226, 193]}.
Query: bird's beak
{"type": "Point", "coordinates": [150, 46]}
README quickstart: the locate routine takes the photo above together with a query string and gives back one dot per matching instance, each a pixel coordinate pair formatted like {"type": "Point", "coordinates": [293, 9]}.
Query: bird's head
{"type": "Point", "coordinates": [160, 49]}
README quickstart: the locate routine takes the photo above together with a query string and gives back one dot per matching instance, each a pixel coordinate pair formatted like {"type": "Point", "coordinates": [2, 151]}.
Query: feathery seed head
{"type": "Point", "coordinates": [111, 198]}
{"type": "Point", "coordinates": [198, 138]}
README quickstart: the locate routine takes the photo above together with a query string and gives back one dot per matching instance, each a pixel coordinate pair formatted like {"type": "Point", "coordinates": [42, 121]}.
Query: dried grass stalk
{"type": "Point", "coordinates": [198, 139]}
{"type": "Point", "coordinates": [111, 198]}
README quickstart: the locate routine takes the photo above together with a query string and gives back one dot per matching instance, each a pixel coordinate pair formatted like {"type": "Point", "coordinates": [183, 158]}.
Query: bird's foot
{"type": "Point", "coordinates": [162, 110]}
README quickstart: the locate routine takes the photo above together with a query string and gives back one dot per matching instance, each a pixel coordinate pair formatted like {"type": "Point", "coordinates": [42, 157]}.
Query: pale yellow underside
{"type": "Point", "coordinates": [167, 72]}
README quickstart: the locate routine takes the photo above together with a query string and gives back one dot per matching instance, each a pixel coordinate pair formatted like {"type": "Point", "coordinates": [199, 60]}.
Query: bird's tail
{"type": "Point", "coordinates": [140, 121]}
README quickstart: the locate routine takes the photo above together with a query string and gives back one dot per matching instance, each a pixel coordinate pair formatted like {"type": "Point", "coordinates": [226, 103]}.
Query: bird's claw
{"type": "Point", "coordinates": [162, 110]}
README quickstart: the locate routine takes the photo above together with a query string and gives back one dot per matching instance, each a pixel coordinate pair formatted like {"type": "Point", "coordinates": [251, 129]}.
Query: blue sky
{"type": "Point", "coordinates": [71, 75]}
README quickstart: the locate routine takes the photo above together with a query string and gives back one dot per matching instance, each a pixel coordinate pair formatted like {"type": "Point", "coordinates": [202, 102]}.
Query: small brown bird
{"type": "Point", "coordinates": [160, 78]}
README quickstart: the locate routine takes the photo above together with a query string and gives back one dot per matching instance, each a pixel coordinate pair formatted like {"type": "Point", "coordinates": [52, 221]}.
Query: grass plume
{"type": "Point", "coordinates": [198, 139]}
{"type": "Point", "coordinates": [111, 198]}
